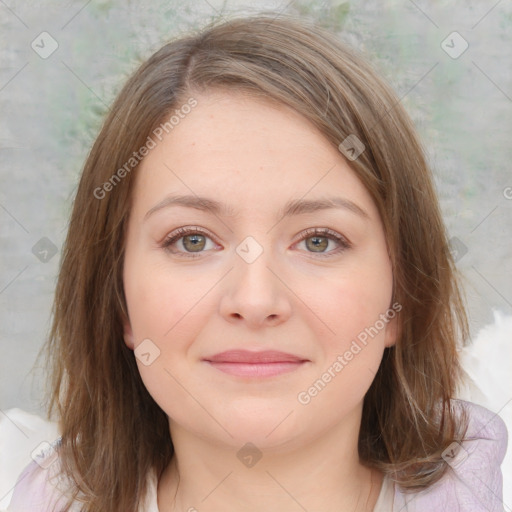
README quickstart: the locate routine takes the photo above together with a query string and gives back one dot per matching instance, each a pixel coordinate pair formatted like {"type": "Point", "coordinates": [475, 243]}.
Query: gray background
{"type": "Point", "coordinates": [51, 109]}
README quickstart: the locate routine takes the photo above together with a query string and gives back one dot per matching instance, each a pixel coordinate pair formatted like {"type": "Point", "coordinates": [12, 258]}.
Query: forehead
{"type": "Point", "coordinates": [245, 151]}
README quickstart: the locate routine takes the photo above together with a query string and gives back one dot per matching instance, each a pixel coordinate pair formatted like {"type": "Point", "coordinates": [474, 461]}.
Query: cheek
{"type": "Point", "coordinates": [354, 302]}
{"type": "Point", "coordinates": [353, 305]}
{"type": "Point", "coordinates": [352, 355]}
{"type": "Point", "coordinates": [160, 301]}
{"type": "Point", "coordinates": [168, 309]}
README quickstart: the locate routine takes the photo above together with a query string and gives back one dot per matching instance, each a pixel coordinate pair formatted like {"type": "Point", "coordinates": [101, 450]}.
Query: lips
{"type": "Point", "coordinates": [247, 357]}
{"type": "Point", "coordinates": [244, 363]}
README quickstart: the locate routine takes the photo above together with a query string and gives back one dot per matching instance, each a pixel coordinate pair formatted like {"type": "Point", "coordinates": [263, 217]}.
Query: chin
{"type": "Point", "coordinates": [270, 428]}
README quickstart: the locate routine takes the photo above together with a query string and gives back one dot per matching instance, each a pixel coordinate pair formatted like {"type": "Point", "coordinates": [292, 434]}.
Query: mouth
{"type": "Point", "coordinates": [243, 363]}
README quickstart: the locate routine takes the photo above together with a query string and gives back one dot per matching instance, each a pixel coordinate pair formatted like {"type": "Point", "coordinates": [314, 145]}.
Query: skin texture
{"type": "Point", "coordinates": [255, 157]}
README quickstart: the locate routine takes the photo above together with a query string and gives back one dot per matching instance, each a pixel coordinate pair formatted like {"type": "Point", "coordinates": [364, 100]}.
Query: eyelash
{"type": "Point", "coordinates": [344, 244]}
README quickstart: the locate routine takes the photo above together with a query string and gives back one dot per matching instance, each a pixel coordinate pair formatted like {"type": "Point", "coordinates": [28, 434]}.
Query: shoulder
{"type": "Point", "coordinates": [40, 486]}
{"type": "Point", "coordinates": [473, 482]}
{"type": "Point", "coordinates": [484, 424]}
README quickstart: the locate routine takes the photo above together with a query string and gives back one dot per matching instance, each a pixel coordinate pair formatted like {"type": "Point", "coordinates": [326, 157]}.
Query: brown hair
{"type": "Point", "coordinates": [113, 433]}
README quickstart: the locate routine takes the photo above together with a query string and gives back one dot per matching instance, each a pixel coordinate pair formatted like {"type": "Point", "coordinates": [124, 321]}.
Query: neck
{"type": "Point", "coordinates": [324, 474]}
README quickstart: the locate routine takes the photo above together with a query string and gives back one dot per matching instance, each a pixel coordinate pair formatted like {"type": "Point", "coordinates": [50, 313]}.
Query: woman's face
{"type": "Point", "coordinates": [245, 270]}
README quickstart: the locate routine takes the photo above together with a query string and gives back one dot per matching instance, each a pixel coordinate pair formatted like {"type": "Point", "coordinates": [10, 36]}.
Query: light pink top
{"type": "Point", "coordinates": [472, 483]}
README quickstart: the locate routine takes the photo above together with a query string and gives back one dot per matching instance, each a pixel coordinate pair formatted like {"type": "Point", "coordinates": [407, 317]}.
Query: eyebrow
{"type": "Point", "coordinates": [292, 207]}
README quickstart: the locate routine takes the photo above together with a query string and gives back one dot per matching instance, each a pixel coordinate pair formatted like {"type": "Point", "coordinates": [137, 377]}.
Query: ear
{"type": "Point", "coordinates": [393, 325]}
{"type": "Point", "coordinates": [128, 334]}
{"type": "Point", "coordinates": [391, 332]}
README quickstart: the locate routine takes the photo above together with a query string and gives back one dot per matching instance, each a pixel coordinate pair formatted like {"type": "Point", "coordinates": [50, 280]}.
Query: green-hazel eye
{"type": "Point", "coordinates": [194, 243]}
{"type": "Point", "coordinates": [318, 240]}
{"type": "Point", "coordinates": [188, 242]}
{"type": "Point", "coordinates": [317, 243]}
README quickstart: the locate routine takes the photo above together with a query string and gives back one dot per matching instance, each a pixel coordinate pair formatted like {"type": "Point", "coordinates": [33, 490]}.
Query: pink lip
{"type": "Point", "coordinates": [244, 363]}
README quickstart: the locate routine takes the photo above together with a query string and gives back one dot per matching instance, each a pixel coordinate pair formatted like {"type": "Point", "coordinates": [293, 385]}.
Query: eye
{"type": "Point", "coordinates": [188, 242]}
{"type": "Point", "coordinates": [318, 240]}
{"type": "Point", "coordinates": [191, 242]}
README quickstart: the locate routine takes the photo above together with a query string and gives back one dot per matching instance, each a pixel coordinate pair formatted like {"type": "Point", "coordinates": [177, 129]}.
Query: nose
{"type": "Point", "coordinates": [255, 294]}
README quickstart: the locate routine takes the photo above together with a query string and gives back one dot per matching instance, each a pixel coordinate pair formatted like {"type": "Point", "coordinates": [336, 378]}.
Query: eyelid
{"type": "Point", "coordinates": [181, 232]}
{"type": "Point", "coordinates": [329, 233]}
{"type": "Point", "coordinates": [187, 230]}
